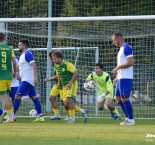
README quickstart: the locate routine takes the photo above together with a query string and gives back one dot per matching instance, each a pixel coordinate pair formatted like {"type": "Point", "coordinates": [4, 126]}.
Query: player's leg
{"type": "Point", "coordinates": [1, 115]}
{"type": "Point", "coordinates": [125, 94]}
{"type": "Point", "coordinates": [68, 102]}
{"type": "Point", "coordinates": [22, 90]}
{"type": "Point", "coordinates": [118, 98]}
{"type": "Point", "coordinates": [33, 95]}
{"type": "Point", "coordinates": [113, 110]}
{"type": "Point", "coordinates": [53, 94]}
{"type": "Point", "coordinates": [67, 112]}
{"type": "Point", "coordinates": [12, 95]}
{"type": "Point", "coordinates": [66, 108]}
{"type": "Point", "coordinates": [77, 108]}
{"type": "Point", "coordinates": [5, 87]}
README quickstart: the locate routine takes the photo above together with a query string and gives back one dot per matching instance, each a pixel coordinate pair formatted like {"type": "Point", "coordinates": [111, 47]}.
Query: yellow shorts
{"type": "Point", "coordinates": [56, 92]}
{"type": "Point", "coordinates": [71, 92]}
{"type": "Point", "coordinates": [5, 86]}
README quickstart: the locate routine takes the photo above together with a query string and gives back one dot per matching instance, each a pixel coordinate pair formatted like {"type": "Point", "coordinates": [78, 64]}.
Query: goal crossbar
{"type": "Point", "coordinates": [61, 19]}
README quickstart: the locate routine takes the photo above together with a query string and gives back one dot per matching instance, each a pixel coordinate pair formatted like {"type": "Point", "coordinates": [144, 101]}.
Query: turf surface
{"type": "Point", "coordinates": [95, 132]}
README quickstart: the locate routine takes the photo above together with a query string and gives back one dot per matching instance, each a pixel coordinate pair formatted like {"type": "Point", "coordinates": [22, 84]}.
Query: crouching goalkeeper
{"type": "Point", "coordinates": [105, 90]}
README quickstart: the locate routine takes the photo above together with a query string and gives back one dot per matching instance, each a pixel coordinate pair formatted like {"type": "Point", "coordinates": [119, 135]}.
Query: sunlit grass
{"type": "Point", "coordinates": [95, 132]}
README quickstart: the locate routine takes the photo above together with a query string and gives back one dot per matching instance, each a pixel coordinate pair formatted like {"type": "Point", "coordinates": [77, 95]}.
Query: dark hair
{"type": "Point", "coordinates": [100, 65]}
{"type": "Point", "coordinates": [57, 54]}
{"type": "Point", "coordinates": [118, 35]}
{"type": "Point", "coordinates": [2, 36]}
{"type": "Point", "coordinates": [25, 42]}
{"type": "Point", "coordinates": [50, 54]}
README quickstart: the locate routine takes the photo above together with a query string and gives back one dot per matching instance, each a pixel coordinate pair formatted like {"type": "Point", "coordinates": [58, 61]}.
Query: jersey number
{"type": "Point", "coordinates": [3, 54]}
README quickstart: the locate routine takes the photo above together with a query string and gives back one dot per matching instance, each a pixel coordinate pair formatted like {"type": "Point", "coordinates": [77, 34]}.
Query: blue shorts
{"type": "Point", "coordinates": [25, 89]}
{"type": "Point", "coordinates": [123, 88]}
{"type": "Point", "coordinates": [13, 92]}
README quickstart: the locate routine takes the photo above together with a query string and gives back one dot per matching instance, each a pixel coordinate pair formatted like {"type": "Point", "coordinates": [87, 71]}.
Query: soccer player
{"type": "Point", "coordinates": [28, 75]}
{"type": "Point", "coordinates": [55, 92]}
{"type": "Point", "coordinates": [105, 90]}
{"type": "Point", "coordinates": [124, 78]}
{"type": "Point", "coordinates": [14, 85]}
{"type": "Point", "coordinates": [68, 77]}
{"type": "Point", "coordinates": [6, 74]}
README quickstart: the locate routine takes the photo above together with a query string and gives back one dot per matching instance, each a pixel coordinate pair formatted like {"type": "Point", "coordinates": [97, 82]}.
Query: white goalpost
{"type": "Point", "coordinates": [85, 41]}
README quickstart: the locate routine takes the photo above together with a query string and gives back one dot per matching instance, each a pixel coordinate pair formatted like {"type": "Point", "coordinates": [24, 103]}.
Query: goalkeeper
{"type": "Point", "coordinates": [105, 90]}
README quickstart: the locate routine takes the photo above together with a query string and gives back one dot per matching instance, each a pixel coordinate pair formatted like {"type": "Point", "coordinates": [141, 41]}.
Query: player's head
{"type": "Point", "coordinates": [98, 68]}
{"type": "Point", "coordinates": [2, 37]}
{"type": "Point", "coordinates": [57, 57]}
{"type": "Point", "coordinates": [50, 55]}
{"type": "Point", "coordinates": [117, 39]}
{"type": "Point", "coordinates": [23, 45]}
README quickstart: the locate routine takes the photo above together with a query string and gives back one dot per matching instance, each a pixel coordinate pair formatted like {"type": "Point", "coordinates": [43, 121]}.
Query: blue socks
{"type": "Point", "coordinates": [38, 107]}
{"type": "Point", "coordinates": [1, 111]}
{"type": "Point", "coordinates": [129, 109]}
{"type": "Point", "coordinates": [16, 105]}
{"type": "Point", "coordinates": [121, 104]}
{"type": "Point", "coordinates": [36, 104]}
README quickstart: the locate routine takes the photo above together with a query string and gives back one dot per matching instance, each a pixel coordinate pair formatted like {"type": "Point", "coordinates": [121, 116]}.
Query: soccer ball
{"type": "Point", "coordinates": [33, 113]}
{"type": "Point", "coordinates": [90, 85]}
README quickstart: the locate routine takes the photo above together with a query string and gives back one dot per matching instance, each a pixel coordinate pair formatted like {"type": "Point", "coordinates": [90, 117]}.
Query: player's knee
{"type": "Point", "coordinates": [117, 99]}
{"type": "Point", "coordinates": [124, 99]}
{"type": "Point", "coordinates": [33, 97]}
{"type": "Point", "coordinates": [18, 97]}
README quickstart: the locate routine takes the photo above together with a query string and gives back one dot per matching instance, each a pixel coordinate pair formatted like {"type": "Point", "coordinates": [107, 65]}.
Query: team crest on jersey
{"type": "Point", "coordinates": [63, 69]}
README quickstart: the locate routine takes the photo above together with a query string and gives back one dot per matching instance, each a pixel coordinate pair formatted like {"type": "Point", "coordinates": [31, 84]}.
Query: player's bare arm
{"type": "Point", "coordinates": [14, 67]}
{"type": "Point", "coordinates": [58, 84]}
{"type": "Point", "coordinates": [75, 76]}
{"type": "Point", "coordinates": [130, 62]}
{"type": "Point", "coordinates": [54, 78]}
{"type": "Point", "coordinates": [33, 64]}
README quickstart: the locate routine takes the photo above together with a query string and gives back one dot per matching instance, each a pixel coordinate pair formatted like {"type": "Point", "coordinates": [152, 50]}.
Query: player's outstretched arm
{"type": "Point", "coordinates": [54, 78]}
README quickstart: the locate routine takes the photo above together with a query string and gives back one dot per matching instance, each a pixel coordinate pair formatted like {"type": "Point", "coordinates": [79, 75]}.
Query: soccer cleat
{"type": "Point", "coordinates": [55, 117]}
{"type": "Point", "coordinates": [70, 121]}
{"type": "Point", "coordinates": [40, 119]}
{"type": "Point", "coordinates": [10, 120]}
{"type": "Point", "coordinates": [85, 116]}
{"type": "Point", "coordinates": [2, 117]}
{"type": "Point", "coordinates": [117, 117]}
{"type": "Point", "coordinates": [128, 122]}
{"type": "Point", "coordinates": [112, 114]}
{"type": "Point", "coordinates": [66, 118]}
{"type": "Point", "coordinates": [6, 117]}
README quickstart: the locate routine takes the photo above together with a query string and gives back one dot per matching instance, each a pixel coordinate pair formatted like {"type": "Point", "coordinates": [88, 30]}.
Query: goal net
{"type": "Point", "coordinates": [79, 41]}
{"type": "Point", "coordinates": [83, 58]}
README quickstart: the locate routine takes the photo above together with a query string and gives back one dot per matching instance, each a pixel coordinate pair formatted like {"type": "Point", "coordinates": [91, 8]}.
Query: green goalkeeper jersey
{"type": "Point", "coordinates": [103, 82]}
{"type": "Point", "coordinates": [6, 55]}
{"type": "Point", "coordinates": [65, 71]}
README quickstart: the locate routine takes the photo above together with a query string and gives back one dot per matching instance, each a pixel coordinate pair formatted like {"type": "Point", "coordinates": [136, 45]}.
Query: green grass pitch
{"type": "Point", "coordinates": [99, 131]}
